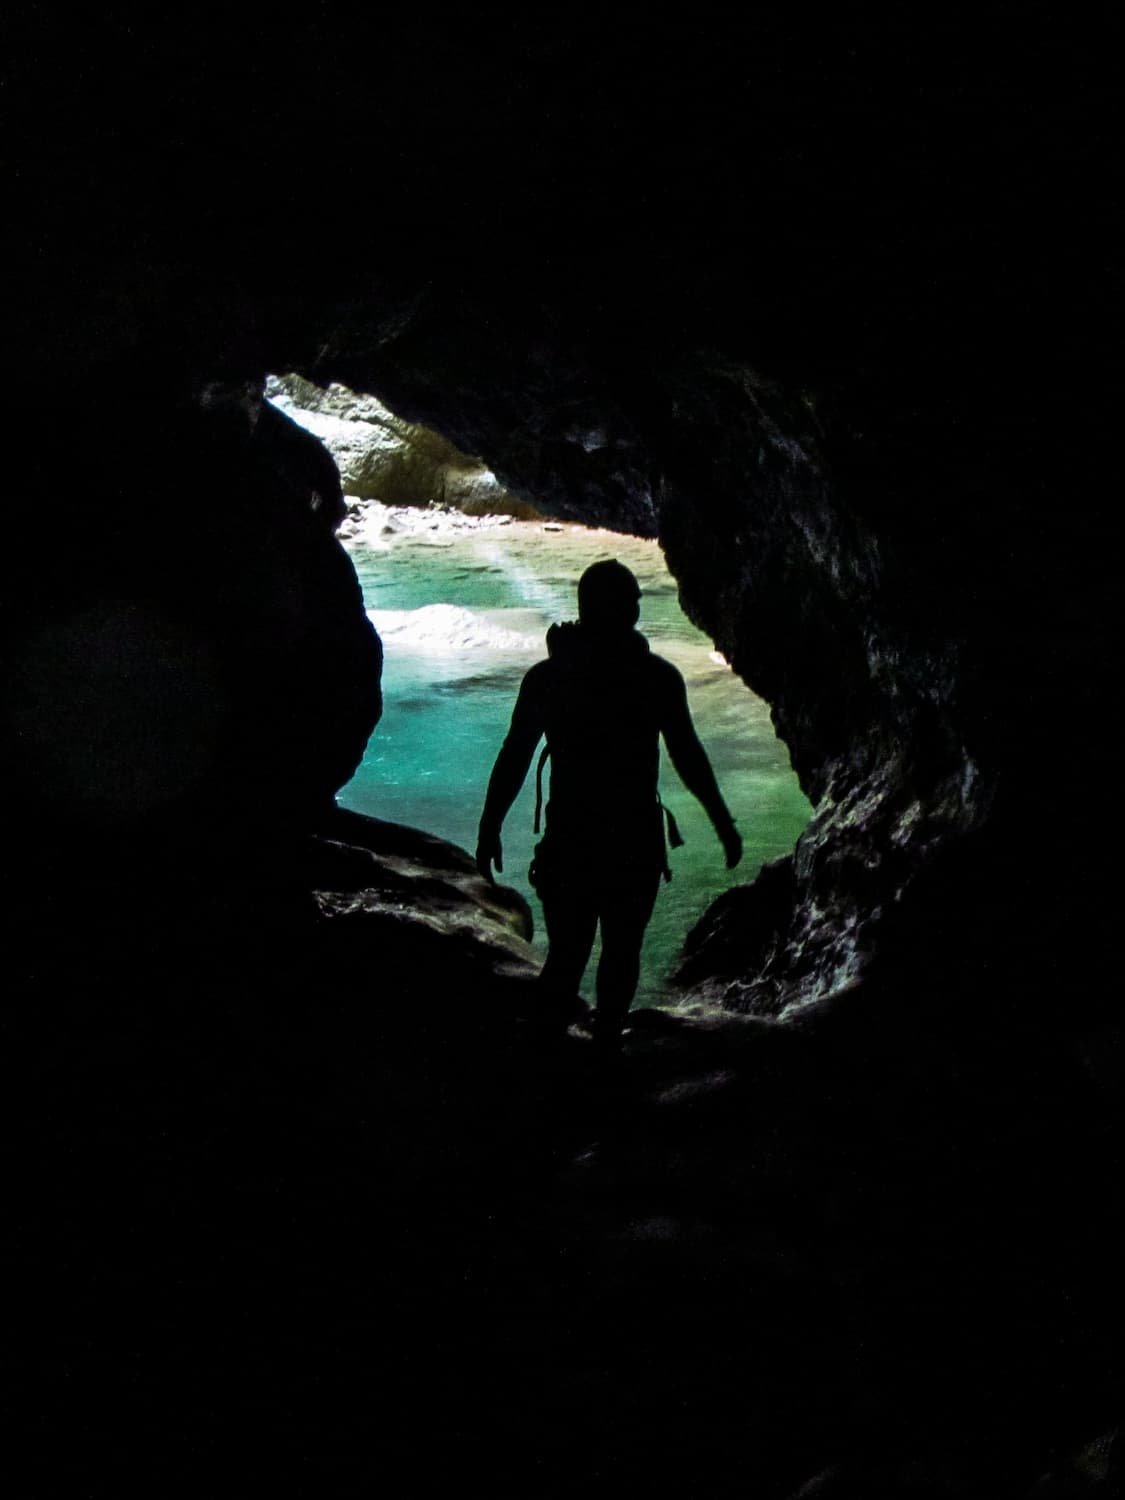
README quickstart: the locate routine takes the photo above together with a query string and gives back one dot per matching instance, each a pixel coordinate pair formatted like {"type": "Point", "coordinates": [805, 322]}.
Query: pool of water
{"type": "Point", "coordinates": [463, 615]}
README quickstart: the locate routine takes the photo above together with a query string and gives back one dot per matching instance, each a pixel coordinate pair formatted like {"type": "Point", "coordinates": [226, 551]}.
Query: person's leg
{"type": "Point", "coordinates": [571, 919]}
{"type": "Point", "coordinates": [625, 914]}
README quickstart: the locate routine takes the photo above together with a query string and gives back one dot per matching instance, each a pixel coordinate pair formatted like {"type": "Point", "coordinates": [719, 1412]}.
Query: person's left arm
{"type": "Point", "coordinates": [508, 773]}
{"type": "Point", "coordinates": [692, 765]}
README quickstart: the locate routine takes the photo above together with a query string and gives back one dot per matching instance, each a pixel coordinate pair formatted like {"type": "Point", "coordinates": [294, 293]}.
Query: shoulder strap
{"type": "Point", "coordinates": [539, 786]}
{"type": "Point", "coordinates": [671, 832]}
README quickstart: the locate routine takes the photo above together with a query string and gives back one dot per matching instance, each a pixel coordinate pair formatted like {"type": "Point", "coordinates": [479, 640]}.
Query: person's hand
{"type": "Point", "coordinates": [731, 840]}
{"type": "Point", "coordinates": [489, 853]}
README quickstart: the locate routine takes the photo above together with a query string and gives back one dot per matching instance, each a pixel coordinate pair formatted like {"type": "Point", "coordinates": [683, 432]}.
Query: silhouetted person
{"type": "Point", "coordinates": [602, 699]}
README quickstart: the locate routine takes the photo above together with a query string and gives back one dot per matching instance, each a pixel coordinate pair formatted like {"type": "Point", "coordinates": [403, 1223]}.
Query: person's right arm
{"type": "Point", "coordinates": [512, 764]}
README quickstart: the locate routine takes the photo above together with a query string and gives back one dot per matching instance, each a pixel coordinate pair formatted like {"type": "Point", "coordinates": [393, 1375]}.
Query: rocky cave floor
{"type": "Point", "coordinates": [339, 1201]}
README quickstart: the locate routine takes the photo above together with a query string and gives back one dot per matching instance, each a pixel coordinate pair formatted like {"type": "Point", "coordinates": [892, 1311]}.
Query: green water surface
{"type": "Point", "coordinates": [450, 681]}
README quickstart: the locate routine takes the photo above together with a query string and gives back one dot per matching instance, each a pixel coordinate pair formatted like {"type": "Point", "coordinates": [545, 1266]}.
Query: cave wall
{"type": "Point", "coordinates": [871, 636]}
{"type": "Point", "coordinates": [829, 337]}
{"type": "Point", "coordinates": [823, 308]}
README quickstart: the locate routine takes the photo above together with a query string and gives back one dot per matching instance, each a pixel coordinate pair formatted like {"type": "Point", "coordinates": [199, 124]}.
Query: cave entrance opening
{"type": "Point", "coordinates": [462, 598]}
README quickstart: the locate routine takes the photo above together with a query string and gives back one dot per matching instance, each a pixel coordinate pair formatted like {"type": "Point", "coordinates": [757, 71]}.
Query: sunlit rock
{"type": "Point", "coordinates": [381, 457]}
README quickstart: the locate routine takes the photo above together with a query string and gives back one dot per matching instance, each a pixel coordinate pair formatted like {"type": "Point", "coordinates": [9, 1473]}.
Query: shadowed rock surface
{"type": "Point", "coordinates": [306, 1174]}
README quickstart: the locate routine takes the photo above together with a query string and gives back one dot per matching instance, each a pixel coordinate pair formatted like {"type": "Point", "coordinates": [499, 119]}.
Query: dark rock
{"type": "Point", "coordinates": [138, 694]}
{"type": "Point", "coordinates": [388, 867]}
{"type": "Point", "coordinates": [824, 312]}
{"type": "Point", "coordinates": [737, 943]}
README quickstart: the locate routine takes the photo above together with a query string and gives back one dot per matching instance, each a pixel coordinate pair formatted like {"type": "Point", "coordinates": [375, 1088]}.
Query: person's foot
{"type": "Point", "coordinates": [607, 1037]}
{"type": "Point", "coordinates": [563, 1011]}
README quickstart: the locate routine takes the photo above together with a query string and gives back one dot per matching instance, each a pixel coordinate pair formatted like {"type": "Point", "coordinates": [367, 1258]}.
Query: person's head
{"type": "Point", "coordinates": [608, 597]}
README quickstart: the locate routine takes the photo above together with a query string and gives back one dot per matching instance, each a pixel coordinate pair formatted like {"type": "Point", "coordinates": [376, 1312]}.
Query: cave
{"type": "Point", "coordinates": [299, 1197]}
{"type": "Point", "coordinates": [463, 580]}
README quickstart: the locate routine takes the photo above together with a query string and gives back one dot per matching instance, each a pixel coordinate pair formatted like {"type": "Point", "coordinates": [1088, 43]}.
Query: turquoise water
{"type": "Point", "coordinates": [463, 616]}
